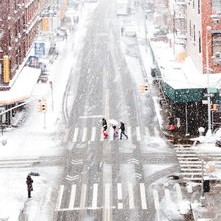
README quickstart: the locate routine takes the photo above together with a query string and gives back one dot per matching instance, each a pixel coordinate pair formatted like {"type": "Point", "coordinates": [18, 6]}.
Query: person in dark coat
{"type": "Point", "coordinates": [104, 124]}
{"type": "Point", "coordinates": [122, 130]}
{"type": "Point", "coordinates": [29, 182]}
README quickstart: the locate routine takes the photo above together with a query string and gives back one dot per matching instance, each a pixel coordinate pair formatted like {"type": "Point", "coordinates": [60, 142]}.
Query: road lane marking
{"type": "Point", "coordinates": [94, 199]}
{"type": "Point", "coordinates": [93, 133]}
{"type": "Point", "coordinates": [156, 132]}
{"type": "Point", "coordinates": [119, 196]}
{"type": "Point", "coordinates": [143, 196]}
{"type": "Point", "coordinates": [60, 193]}
{"type": "Point", "coordinates": [72, 198]}
{"type": "Point", "coordinates": [102, 136]}
{"type": "Point", "coordinates": [167, 196]}
{"type": "Point", "coordinates": [156, 200]}
{"type": "Point", "coordinates": [76, 131]}
{"type": "Point", "coordinates": [106, 105]}
{"type": "Point", "coordinates": [91, 116]}
{"type": "Point", "coordinates": [107, 209]}
{"type": "Point", "coordinates": [83, 196]}
{"type": "Point", "coordinates": [131, 196]}
{"type": "Point", "coordinates": [129, 133]}
{"type": "Point", "coordinates": [138, 133]}
{"type": "Point", "coordinates": [179, 193]}
{"type": "Point", "coordinates": [84, 134]}
{"type": "Point", "coordinates": [147, 132]}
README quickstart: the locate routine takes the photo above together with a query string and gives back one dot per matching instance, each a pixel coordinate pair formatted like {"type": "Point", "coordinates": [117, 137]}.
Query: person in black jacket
{"type": "Point", "coordinates": [104, 124]}
{"type": "Point", "coordinates": [122, 130]}
{"type": "Point", "coordinates": [29, 182]}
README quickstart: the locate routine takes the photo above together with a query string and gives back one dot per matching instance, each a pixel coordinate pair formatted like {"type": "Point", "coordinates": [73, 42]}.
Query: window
{"type": "Point", "coordinates": [200, 49]}
{"type": "Point", "coordinates": [216, 47]}
{"type": "Point", "coordinates": [199, 5]}
{"type": "Point", "coordinates": [194, 33]}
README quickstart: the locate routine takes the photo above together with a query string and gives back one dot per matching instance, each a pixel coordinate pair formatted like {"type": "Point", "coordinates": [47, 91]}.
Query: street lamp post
{"type": "Point", "coordinates": [209, 132]}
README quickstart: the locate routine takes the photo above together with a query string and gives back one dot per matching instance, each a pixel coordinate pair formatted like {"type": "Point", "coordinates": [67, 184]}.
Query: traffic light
{"type": "Point", "coordinates": [206, 186]}
{"type": "Point", "coordinates": [143, 88]}
{"type": "Point", "coordinates": [44, 23]}
{"type": "Point", "coordinates": [39, 105]}
{"type": "Point", "coordinates": [44, 107]}
{"type": "Point", "coordinates": [6, 69]}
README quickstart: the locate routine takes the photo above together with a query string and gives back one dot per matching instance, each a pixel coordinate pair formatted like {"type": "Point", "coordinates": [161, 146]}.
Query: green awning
{"type": "Point", "coordinates": [185, 94]}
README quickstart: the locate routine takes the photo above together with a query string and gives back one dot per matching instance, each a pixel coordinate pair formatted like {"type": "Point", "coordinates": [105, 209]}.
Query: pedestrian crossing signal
{"type": "Point", "coordinates": [42, 106]}
{"type": "Point", "coordinates": [143, 88]}
{"type": "Point", "coordinates": [214, 107]}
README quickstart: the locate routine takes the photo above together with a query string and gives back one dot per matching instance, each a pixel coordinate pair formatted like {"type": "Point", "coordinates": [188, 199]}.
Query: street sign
{"type": "Point", "coordinates": [209, 95]}
{"type": "Point", "coordinates": [204, 101]}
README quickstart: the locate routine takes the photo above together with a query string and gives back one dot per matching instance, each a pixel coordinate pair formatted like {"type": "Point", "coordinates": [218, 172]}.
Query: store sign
{"type": "Point", "coordinates": [39, 49]}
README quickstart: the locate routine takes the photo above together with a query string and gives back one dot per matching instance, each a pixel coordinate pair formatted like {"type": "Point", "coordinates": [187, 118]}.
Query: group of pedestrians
{"type": "Point", "coordinates": [115, 130]}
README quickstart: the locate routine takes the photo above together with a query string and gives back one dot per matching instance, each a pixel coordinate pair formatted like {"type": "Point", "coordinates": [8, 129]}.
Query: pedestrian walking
{"type": "Point", "coordinates": [122, 31]}
{"type": "Point", "coordinates": [115, 132]}
{"type": "Point", "coordinates": [104, 124]}
{"type": "Point", "coordinates": [122, 130]}
{"type": "Point", "coordinates": [29, 182]}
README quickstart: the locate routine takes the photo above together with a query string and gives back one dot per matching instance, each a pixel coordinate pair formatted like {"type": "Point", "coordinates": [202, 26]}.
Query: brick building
{"type": "Point", "coordinates": [204, 34]}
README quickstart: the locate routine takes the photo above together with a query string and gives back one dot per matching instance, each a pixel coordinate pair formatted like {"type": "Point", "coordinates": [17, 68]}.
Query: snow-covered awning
{"type": "Point", "coordinates": [182, 82]}
{"type": "Point", "coordinates": [22, 88]}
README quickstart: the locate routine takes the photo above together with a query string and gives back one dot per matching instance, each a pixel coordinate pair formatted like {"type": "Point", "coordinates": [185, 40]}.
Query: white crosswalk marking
{"type": "Point", "coordinates": [122, 202]}
{"type": "Point", "coordinates": [147, 132]}
{"type": "Point", "coordinates": [60, 193]}
{"type": "Point", "coordinates": [83, 196]}
{"type": "Point", "coordinates": [119, 196]}
{"type": "Point", "coordinates": [138, 133]}
{"type": "Point", "coordinates": [167, 196]}
{"type": "Point", "coordinates": [131, 196]}
{"type": "Point", "coordinates": [101, 134]}
{"type": "Point", "coordinates": [143, 196]}
{"type": "Point", "coordinates": [93, 133]}
{"type": "Point", "coordinates": [156, 132]}
{"type": "Point", "coordinates": [72, 198]}
{"type": "Point", "coordinates": [76, 131]}
{"type": "Point", "coordinates": [129, 133]}
{"type": "Point", "coordinates": [107, 196]}
{"type": "Point", "coordinates": [156, 199]}
{"type": "Point", "coordinates": [94, 199]}
{"type": "Point", "coordinates": [84, 136]}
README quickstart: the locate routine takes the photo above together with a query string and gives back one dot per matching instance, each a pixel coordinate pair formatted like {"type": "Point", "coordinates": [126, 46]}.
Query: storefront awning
{"type": "Point", "coordinates": [22, 88]}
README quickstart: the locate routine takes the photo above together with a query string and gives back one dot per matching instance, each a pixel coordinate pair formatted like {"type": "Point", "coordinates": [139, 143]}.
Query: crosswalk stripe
{"type": "Point", "coordinates": [76, 131]}
{"type": "Point", "coordinates": [72, 198]}
{"type": "Point", "coordinates": [83, 196]}
{"type": "Point", "coordinates": [93, 133]}
{"type": "Point", "coordinates": [129, 133]}
{"type": "Point", "coordinates": [138, 133]}
{"type": "Point", "coordinates": [156, 199]}
{"type": "Point", "coordinates": [102, 136]}
{"type": "Point", "coordinates": [60, 193]}
{"type": "Point", "coordinates": [131, 196]}
{"type": "Point", "coordinates": [119, 196]}
{"type": "Point", "coordinates": [107, 195]}
{"type": "Point", "coordinates": [147, 132]}
{"type": "Point", "coordinates": [156, 132]}
{"type": "Point", "coordinates": [167, 196]}
{"type": "Point", "coordinates": [179, 193]}
{"type": "Point", "coordinates": [84, 136]}
{"type": "Point", "coordinates": [143, 196]}
{"type": "Point", "coordinates": [94, 199]}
